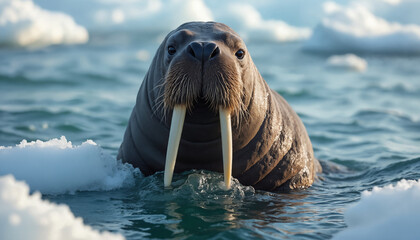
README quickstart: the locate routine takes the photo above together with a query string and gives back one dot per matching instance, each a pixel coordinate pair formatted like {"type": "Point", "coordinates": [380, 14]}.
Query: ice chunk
{"type": "Point", "coordinates": [347, 62]}
{"type": "Point", "coordinates": [391, 212]}
{"type": "Point", "coordinates": [25, 216]}
{"type": "Point", "coordinates": [56, 166]}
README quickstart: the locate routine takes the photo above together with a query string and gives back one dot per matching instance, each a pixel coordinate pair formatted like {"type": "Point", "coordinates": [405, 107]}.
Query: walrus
{"type": "Point", "coordinates": [204, 105]}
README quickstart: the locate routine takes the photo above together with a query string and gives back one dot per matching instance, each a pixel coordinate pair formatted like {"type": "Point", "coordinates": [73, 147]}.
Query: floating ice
{"type": "Point", "coordinates": [356, 29]}
{"type": "Point", "coordinates": [347, 61]}
{"type": "Point", "coordinates": [22, 23]}
{"type": "Point", "coordinates": [56, 166]}
{"type": "Point", "coordinates": [24, 216]}
{"type": "Point", "coordinates": [391, 212]}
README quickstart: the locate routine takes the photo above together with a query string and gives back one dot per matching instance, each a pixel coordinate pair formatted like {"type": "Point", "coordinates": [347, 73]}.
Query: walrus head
{"type": "Point", "coordinates": [204, 65]}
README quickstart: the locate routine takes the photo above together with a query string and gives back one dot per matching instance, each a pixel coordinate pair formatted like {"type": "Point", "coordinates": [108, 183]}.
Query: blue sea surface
{"type": "Point", "coordinates": [364, 127]}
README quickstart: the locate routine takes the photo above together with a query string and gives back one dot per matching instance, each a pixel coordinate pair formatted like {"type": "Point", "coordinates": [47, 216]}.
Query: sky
{"type": "Point", "coordinates": [360, 25]}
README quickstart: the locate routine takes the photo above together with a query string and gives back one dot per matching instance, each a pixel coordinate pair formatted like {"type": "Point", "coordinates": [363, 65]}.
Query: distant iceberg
{"type": "Point", "coordinates": [356, 29]}
{"type": "Point", "coordinates": [57, 167]}
{"type": "Point", "coordinates": [25, 216]}
{"type": "Point", "coordinates": [24, 24]}
{"type": "Point", "coordinates": [347, 62]}
{"type": "Point", "coordinates": [391, 212]}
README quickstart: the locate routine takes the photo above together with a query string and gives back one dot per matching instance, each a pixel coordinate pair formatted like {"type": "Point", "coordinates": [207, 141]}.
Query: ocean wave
{"type": "Point", "coordinates": [30, 81]}
{"type": "Point", "coordinates": [194, 185]}
{"type": "Point", "coordinates": [385, 120]}
{"type": "Point", "coordinates": [376, 114]}
{"type": "Point", "coordinates": [395, 88]}
{"type": "Point", "coordinates": [403, 168]}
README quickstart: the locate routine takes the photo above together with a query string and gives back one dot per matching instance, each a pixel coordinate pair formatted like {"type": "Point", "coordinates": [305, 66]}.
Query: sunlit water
{"type": "Point", "coordinates": [365, 129]}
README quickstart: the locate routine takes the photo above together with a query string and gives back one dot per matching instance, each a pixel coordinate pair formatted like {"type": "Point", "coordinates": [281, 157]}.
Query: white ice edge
{"type": "Point", "coordinates": [51, 166]}
{"type": "Point", "coordinates": [29, 216]}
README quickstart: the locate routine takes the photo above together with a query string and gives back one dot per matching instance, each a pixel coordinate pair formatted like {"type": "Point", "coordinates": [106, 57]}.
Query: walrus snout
{"type": "Point", "coordinates": [203, 51]}
{"type": "Point", "coordinates": [203, 70]}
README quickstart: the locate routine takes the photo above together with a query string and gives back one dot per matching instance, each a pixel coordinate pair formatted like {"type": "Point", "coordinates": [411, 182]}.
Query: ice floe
{"type": "Point", "coordinates": [347, 62]}
{"type": "Point", "coordinates": [390, 212]}
{"type": "Point", "coordinates": [28, 216]}
{"type": "Point", "coordinates": [57, 166]}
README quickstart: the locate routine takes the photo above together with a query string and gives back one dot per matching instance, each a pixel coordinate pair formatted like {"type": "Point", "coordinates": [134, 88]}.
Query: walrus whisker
{"type": "Point", "coordinates": [159, 103]}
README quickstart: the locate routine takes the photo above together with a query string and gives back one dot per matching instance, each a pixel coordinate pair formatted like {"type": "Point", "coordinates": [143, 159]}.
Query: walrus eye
{"type": "Point", "coordinates": [171, 50]}
{"type": "Point", "coordinates": [240, 54]}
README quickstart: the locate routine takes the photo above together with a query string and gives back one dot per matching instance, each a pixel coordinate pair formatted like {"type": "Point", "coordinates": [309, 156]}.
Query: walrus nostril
{"type": "Point", "coordinates": [203, 51]}
{"type": "Point", "coordinates": [215, 52]}
{"type": "Point", "coordinates": [195, 49]}
{"type": "Point", "coordinates": [211, 50]}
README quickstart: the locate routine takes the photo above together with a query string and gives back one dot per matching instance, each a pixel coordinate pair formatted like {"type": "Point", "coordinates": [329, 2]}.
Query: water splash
{"type": "Point", "coordinates": [192, 185]}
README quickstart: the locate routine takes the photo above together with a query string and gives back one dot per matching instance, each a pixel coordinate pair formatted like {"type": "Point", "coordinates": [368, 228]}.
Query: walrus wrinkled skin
{"type": "Point", "coordinates": [203, 66]}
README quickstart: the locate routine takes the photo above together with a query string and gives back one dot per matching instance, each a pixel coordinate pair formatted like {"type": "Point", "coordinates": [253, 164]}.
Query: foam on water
{"type": "Point", "coordinates": [57, 166]}
{"type": "Point", "coordinates": [25, 216]}
{"type": "Point", "coordinates": [195, 185]}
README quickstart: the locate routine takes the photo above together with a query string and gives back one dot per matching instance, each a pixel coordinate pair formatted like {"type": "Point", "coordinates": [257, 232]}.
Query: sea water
{"type": "Point", "coordinates": [364, 125]}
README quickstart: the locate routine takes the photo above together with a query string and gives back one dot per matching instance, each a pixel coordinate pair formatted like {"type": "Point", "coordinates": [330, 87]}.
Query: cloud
{"type": "Point", "coordinates": [248, 22]}
{"type": "Point", "coordinates": [22, 23]}
{"type": "Point", "coordinates": [158, 16]}
{"type": "Point", "coordinates": [148, 16]}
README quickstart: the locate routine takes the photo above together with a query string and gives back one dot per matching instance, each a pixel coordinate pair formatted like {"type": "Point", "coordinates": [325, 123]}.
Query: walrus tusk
{"type": "Point", "coordinates": [178, 117]}
{"type": "Point", "coordinates": [226, 131]}
{"type": "Point", "coordinates": [177, 123]}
